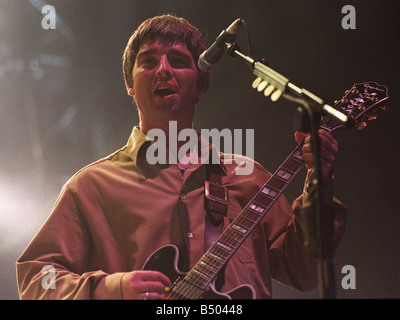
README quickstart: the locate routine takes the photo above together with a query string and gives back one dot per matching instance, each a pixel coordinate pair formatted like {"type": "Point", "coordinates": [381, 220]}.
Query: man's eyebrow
{"type": "Point", "coordinates": [179, 52]}
{"type": "Point", "coordinates": [174, 51]}
{"type": "Point", "coordinates": [146, 52]}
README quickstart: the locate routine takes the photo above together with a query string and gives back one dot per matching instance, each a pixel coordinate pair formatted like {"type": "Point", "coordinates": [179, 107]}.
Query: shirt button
{"type": "Point", "coordinates": [190, 235]}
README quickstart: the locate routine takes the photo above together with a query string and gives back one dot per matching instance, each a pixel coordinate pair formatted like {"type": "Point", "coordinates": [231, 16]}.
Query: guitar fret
{"type": "Point", "coordinates": [251, 215]}
{"type": "Point", "coordinates": [269, 191]}
{"type": "Point", "coordinates": [256, 213]}
{"type": "Point", "coordinates": [238, 227]}
{"type": "Point", "coordinates": [249, 227]}
{"type": "Point", "coordinates": [247, 219]}
{"type": "Point", "coordinates": [224, 246]}
{"type": "Point", "coordinates": [234, 233]}
{"type": "Point", "coordinates": [277, 183]}
{"type": "Point", "coordinates": [262, 200]}
{"type": "Point", "coordinates": [293, 164]}
{"type": "Point", "coordinates": [184, 286]}
{"type": "Point", "coordinates": [222, 254]}
{"type": "Point", "coordinates": [195, 278]}
{"type": "Point", "coordinates": [245, 222]}
{"type": "Point", "coordinates": [215, 256]}
{"type": "Point", "coordinates": [201, 274]}
{"type": "Point", "coordinates": [207, 265]}
{"type": "Point", "coordinates": [298, 155]}
{"type": "Point", "coordinates": [225, 235]}
{"type": "Point", "coordinates": [284, 174]}
{"type": "Point", "coordinates": [256, 208]}
{"type": "Point", "coordinates": [211, 263]}
{"type": "Point", "coordinates": [254, 221]}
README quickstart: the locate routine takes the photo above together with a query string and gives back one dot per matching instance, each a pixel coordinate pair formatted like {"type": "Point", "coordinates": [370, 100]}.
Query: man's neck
{"type": "Point", "coordinates": [171, 130]}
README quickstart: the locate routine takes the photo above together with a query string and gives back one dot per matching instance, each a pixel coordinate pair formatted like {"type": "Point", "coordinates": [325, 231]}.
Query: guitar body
{"type": "Point", "coordinates": [165, 260]}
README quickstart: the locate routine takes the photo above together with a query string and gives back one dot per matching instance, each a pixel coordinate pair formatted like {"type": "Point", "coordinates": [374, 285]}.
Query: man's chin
{"type": "Point", "coordinates": [171, 98]}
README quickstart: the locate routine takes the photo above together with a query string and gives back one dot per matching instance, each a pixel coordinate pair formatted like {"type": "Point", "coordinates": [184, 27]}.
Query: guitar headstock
{"type": "Point", "coordinates": [361, 104]}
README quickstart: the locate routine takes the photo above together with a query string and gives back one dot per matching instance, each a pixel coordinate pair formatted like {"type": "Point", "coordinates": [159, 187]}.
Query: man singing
{"type": "Point", "coordinates": [114, 213]}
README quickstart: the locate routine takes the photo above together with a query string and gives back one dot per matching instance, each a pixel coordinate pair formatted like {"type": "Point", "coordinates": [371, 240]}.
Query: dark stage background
{"type": "Point", "coordinates": [63, 105]}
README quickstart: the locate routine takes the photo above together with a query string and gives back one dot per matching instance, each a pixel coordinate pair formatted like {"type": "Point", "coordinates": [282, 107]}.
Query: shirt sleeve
{"type": "Point", "coordinates": [54, 264]}
{"type": "Point", "coordinates": [291, 263]}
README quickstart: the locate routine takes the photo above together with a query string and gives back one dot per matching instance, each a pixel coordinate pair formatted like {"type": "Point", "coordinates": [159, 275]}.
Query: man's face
{"type": "Point", "coordinates": [165, 82]}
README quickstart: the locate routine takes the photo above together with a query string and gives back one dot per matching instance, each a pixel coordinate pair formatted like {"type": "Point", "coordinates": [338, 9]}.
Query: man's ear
{"type": "Point", "coordinates": [130, 91]}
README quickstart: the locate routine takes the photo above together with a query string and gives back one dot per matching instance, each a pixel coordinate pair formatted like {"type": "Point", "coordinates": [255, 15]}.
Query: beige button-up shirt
{"type": "Point", "coordinates": [114, 213]}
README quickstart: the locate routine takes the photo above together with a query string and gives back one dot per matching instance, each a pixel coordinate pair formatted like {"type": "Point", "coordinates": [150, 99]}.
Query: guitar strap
{"type": "Point", "coordinates": [216, 206]}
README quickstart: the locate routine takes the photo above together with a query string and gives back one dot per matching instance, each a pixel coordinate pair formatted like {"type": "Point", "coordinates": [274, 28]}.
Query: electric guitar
{"type": "Point", "coordinates": [361, 104]}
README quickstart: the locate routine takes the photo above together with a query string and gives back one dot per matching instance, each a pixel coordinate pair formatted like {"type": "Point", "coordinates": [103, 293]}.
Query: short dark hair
{"type": "Point", "coordinates": [170, 28]}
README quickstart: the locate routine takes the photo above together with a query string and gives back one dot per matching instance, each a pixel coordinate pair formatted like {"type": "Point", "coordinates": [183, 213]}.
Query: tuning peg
{"type": "Point", "coordinates": [269, 90]}
{"type": "Point", "coordinates": [361, 125]}
{"type": "Point", "coordinates": [276, 95]}
{"type": "Point", "coordinates": [262, 86]}
{"type": "Point", "coordinates": [256, 82]}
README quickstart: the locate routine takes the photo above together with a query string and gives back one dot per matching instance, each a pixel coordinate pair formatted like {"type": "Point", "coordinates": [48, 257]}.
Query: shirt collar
{"type": "Point", "coordinates": [138, 139]}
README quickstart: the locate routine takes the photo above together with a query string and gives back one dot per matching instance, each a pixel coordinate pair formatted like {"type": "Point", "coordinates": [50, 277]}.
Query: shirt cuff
{"type": "Point", "coordinates": [109, 287]}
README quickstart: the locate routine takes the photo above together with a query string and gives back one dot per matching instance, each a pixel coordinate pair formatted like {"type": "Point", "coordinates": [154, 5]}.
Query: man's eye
{"type": "Point", "coordinates": [149, 61]}
{"type": "Point", "coordinates": [180, 63]}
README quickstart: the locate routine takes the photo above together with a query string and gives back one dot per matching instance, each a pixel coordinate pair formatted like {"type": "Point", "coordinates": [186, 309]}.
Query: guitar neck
{"type": "Point", "coordinates": [203, 273]}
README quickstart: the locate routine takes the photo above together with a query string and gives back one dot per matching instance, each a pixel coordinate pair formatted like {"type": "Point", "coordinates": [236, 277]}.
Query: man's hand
{"type": "Point", "coordinates": [328, 152]}
{"type": "Point", "coordinates": [137, 284]}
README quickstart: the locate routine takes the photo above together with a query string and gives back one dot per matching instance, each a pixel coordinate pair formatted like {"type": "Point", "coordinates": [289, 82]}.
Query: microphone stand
{"type": "Point", "coordinates": [320, 205]}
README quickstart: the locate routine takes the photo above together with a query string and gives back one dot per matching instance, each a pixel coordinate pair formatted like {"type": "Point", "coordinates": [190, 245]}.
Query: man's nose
{"type": "Point", "coordinates": [164, 69]}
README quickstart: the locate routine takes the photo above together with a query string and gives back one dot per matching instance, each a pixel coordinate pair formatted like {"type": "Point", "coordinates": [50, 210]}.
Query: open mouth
{"type": "Point", "coordinates": [164, 92]}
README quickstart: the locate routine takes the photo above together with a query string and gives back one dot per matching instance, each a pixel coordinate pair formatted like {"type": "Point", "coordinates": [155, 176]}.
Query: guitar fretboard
{"type": "Point", "coordinates": [202, 274]}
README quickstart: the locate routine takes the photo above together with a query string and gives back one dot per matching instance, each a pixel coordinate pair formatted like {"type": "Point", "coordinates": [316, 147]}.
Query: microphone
{"type": "Point", "coordinates": [209, 58]}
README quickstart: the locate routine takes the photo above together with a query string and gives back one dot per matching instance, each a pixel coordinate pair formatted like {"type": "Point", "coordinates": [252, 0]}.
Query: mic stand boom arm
{"type": "Point", "coordinates": [320, 203]}
{"type": "Point", "coordinates": [287, 89]}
